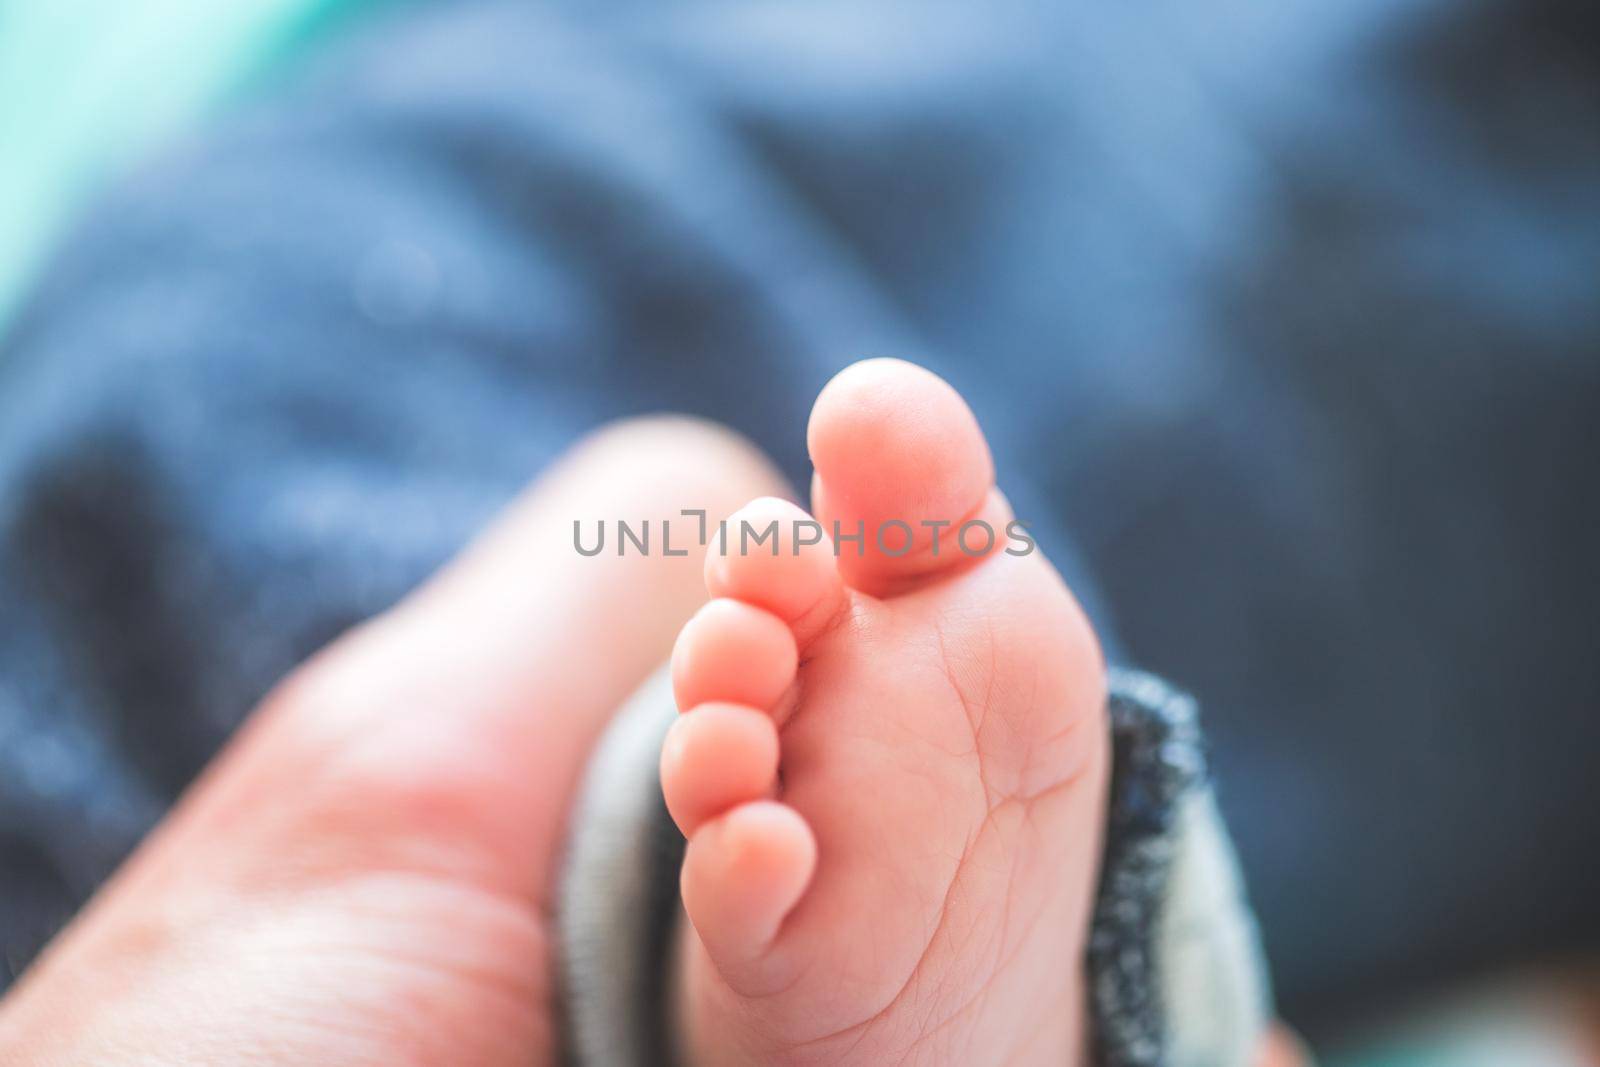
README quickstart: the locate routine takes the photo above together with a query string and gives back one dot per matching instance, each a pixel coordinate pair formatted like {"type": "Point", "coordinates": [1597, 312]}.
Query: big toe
{"type": "Point", "coordinates": [904, 478]}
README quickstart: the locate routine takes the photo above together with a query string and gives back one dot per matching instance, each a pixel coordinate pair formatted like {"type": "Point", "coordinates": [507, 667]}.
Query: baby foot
{"type": "Point", "coordinates": [890, 764]}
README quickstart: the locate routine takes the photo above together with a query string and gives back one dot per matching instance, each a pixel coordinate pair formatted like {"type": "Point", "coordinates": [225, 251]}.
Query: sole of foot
{"type": "Point", "coordinates": [891, 759]}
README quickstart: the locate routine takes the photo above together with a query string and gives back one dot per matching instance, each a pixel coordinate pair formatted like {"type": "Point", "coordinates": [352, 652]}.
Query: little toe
{"type": "Point", "coordinates": [905, 481]}
{"type": "Point", "coordinates": [772, 554]}
{"type": "Point", "coordinates": [735, 653]}
{"type": "Point", "coordinates": [742, 875]}
{"type": "Point", "coordinates": [714, 758]}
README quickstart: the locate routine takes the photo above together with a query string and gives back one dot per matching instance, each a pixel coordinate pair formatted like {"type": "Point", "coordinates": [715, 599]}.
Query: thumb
{"type": "Point", "coordinates": [362, 876]}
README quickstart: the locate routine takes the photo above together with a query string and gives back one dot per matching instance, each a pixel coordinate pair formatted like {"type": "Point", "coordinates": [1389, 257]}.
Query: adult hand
{"type": "Point", "coordinates": [364, 875]}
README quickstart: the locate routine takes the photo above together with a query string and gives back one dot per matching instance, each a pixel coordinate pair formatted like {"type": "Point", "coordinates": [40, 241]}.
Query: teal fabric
{"type": "Point", "coordinates": [1507, 1028]}
{"type": "Point", "coordinates": [89, 86]}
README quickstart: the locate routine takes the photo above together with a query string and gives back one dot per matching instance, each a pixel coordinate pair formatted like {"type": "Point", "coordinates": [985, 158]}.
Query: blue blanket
{"type": "Point", "coordinates": [1284, 319]}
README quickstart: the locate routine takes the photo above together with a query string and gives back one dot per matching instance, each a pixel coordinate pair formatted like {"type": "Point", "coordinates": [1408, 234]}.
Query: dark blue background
{"type": "Point", "coordinates": [1284, 320]}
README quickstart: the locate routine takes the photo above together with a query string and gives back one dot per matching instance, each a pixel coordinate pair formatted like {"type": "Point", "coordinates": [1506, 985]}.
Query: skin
{"type": "Point", "coordinates": [364, 876]}
{"type": "Point", "coordinates": [891, 765]}
{"type": "Point", "coordinates": [917, 888]}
